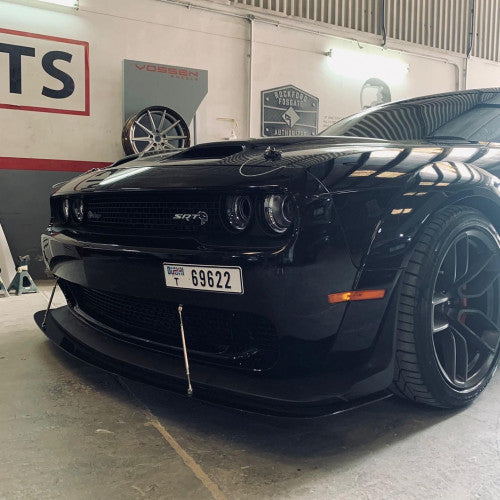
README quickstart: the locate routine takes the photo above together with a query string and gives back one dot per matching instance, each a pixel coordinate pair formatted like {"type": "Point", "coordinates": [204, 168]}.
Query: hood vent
{"type": "Point", "coordinates": [216, 150]}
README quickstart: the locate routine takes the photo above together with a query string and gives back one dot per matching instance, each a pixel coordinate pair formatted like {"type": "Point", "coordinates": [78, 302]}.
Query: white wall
{"type": "Point", "coordinates": [285, 56]}
{"type": "Point", "coordinates": [482, 73]}
{"type": "Point", "coordinates": [160, 32]}
{"type": "Point", "coordinates": [168, 34]}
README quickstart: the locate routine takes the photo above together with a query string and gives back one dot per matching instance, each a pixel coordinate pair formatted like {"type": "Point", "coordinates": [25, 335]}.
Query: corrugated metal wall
{"type": "Point", "coordinates": [362, 15]}
{"type": "Point", "coordinates": [441, 24]}
{"type": "Point", "coordinates": [487, 30]}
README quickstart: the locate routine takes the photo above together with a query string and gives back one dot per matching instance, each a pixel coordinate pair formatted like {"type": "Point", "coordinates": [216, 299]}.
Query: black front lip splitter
{"type": "Point", "coordinates": [167, 372]}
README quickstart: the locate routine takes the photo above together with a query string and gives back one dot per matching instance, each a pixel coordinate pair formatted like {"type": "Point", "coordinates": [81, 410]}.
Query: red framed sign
{"type": "Point", "coordinates": [44, 73]}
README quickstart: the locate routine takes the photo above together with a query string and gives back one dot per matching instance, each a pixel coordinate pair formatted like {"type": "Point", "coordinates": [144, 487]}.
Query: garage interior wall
{"type": "Point", "coordinates": [246, 47]}
{"type": "Point", "coordinates": [453, 25]}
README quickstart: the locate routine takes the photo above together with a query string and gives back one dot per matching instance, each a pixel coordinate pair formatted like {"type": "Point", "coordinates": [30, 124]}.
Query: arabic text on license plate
{"type": "Point", "coordinates": [211, 278]}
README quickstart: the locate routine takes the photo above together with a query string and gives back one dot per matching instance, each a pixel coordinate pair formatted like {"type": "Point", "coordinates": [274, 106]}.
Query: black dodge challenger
{"type": "Point", "coordinates": [294, 276]}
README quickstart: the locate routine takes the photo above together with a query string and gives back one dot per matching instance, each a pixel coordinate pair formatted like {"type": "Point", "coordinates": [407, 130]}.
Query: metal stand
{"type": "Point", "coordinates": [3, 289]}
{"type": "Point", "coordinates": [186, 360]}
{"type": "Point", "coordinates": [23, 282]}
{"type": "Point", "coordinates": [44, 322]}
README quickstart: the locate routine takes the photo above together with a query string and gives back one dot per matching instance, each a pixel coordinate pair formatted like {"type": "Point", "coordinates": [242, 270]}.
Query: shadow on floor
{"type": "Point", "coordinates": [333, 439]}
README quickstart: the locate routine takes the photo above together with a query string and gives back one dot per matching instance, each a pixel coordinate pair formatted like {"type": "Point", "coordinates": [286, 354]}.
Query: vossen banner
{"type": "Point", "coordinates": [153, 84]}
{"type": "Point", "coordinates": [44, 73]}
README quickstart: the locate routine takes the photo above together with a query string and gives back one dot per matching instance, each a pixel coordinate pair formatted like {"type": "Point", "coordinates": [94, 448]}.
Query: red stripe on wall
{"type": "Point", "coordinates": [9, 163]}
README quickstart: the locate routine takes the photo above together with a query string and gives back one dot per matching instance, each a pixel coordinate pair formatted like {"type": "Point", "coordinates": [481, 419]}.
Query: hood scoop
{"type": "Point", "coordinates": [212, 151]}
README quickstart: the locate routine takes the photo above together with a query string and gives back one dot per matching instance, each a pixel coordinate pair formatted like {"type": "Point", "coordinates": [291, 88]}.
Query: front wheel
{"type": "Point", "coordinates": [448, 314]}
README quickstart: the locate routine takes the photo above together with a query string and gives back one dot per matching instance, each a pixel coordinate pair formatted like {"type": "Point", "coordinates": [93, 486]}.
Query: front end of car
{"type": "Point", "coordinates": [254, 264]}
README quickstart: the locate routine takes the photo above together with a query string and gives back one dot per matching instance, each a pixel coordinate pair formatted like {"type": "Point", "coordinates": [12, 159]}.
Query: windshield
{"type": "Point", "coordinates": [468, 116]}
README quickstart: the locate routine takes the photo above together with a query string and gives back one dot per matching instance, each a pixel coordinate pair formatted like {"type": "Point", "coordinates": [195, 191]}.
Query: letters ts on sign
{"type": "Point", "coordinates": [44, 73]}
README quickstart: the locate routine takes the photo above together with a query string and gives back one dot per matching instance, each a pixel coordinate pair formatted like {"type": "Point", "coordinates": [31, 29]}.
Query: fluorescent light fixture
{"type": "Point", "coordinates": [64, 3]}
{"type": "Point", "coordinates": [72, 4]}
{"type": "Point", "coordinates": [360, 64]}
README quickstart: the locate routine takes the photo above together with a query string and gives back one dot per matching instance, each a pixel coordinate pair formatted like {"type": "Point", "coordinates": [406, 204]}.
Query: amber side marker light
{"type": "Point", "coordinates": [335, 298]}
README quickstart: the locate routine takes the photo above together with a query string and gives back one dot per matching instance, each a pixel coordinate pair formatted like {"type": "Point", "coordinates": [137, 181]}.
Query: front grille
{"type": "Point", "coordinates": [153, 213]}
{"type": "Point", "coordinates": [237, 339]}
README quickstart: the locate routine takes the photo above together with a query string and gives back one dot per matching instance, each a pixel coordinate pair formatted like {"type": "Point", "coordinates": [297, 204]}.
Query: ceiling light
{"type": "Point", "coordinates": [64, 3]}
{"type": "Point", "coordinates": [361, 64]}
{"type": "Point", "coordinates": [73, 4]}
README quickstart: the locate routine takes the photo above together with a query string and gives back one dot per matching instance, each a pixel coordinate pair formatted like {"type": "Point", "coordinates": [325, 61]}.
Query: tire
{"type": "Point", "coordinates": [160, 128]}
{"type": "Point", "coordinates": [450, 288]}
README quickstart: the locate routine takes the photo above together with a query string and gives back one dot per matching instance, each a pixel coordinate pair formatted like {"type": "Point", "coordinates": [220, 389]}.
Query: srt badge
{"type": "Point", "coordinates": [200, 216]}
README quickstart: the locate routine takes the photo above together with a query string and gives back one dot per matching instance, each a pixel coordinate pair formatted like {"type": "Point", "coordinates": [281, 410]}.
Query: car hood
{"type": "Point", "coordinates": [227, 165]}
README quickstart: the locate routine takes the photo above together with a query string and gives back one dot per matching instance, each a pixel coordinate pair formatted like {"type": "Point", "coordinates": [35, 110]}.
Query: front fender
{"type": "Point", "coordinates": [381, 224]}
{"type": "Point", "coordinates": [390, 236]}
{"type": "Point", "coordinates": [434, 187]}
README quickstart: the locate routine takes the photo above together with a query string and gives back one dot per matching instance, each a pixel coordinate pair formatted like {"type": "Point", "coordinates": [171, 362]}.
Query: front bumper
{"type": "Point", "coordinates": [289, 287]}
{"type": "Point", "coordinates": [292, 397]}
{"type": "Point", "coordinates": [329, 354]}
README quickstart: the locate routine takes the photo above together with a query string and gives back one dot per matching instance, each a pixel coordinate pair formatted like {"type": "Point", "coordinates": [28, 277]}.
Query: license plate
{"type": "Point", "coordinates": [210, 278]}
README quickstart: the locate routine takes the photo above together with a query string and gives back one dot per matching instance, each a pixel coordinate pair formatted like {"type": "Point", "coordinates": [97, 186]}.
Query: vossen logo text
{"type": "Point", "coordinates": [168, 70]}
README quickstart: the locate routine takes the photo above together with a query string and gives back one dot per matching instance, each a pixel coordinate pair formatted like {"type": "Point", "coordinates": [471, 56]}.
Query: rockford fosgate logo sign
{"type": "Point", "coordinates": [289, 111]}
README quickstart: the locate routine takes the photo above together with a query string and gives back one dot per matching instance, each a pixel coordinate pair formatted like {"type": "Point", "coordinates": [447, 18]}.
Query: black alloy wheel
{"type": "Point", "coordinates": [155, 129]}
{"type": "Point", "coordinates": [448, 325]}
{"type": "Point", "coordinates": [466, 303]}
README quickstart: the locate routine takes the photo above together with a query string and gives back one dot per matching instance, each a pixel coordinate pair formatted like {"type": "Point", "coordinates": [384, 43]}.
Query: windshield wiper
{"type": "Point", "coordinates": [449, 138]}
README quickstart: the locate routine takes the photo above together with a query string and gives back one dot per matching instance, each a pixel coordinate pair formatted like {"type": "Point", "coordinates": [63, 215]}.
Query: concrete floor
{"type": "Point", "coordinates": [70, 431]}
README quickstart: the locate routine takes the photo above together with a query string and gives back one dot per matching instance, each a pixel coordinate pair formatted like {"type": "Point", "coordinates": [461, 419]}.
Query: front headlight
{"type": "Point", "coordinates": [238, 211]}
{"type": "Point", "coordinates": [279, 212]}
{"type": "Point", "coordinates": [78, 209]}
{"type": "Point", "coordinates": [65, 210]}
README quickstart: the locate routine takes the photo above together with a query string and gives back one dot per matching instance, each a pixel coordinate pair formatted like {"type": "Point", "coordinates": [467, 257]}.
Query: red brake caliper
{"type": "Point", "coordinates": [463, 303]}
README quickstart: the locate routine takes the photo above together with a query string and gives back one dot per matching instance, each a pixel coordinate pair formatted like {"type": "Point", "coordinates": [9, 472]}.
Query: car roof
{"type": "Point", "coordinates": [486, 92]}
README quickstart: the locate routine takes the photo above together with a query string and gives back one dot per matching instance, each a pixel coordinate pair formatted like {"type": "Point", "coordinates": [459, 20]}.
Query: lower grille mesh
{"type": "Point", "coordinates": [224, 337]}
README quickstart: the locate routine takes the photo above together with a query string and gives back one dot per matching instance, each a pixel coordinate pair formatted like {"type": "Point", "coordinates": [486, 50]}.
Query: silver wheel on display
{"type": "Point", "coordinates": [156, 128]}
